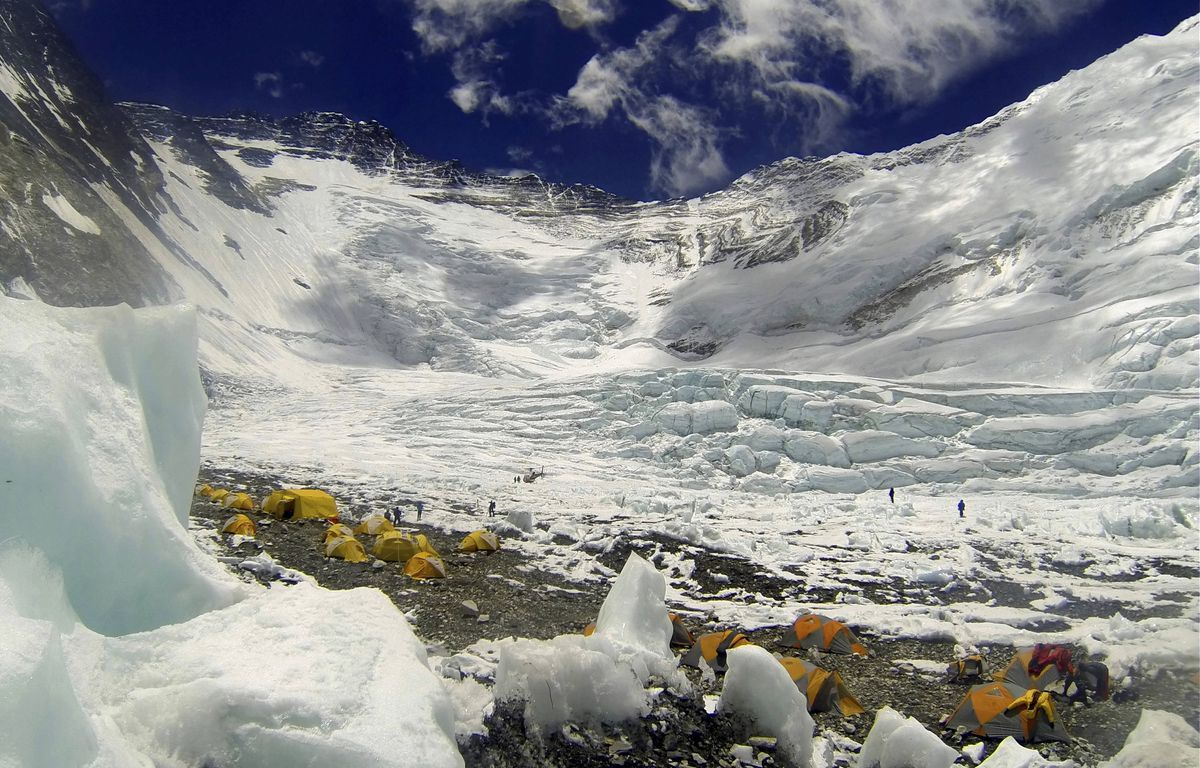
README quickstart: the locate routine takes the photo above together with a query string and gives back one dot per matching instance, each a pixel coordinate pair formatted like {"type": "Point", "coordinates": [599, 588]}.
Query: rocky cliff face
{"type": "Point", "coordinates": [79, 189]}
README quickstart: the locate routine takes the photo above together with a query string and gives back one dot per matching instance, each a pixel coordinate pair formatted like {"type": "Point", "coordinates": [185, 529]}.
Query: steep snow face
{"type": "Point", "coordinates": [1054, 243]}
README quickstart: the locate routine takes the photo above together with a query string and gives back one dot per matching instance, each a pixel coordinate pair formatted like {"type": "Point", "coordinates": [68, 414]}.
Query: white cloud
{"type": "Point", "coordinates": [907, 51]}
{"type": "Point", "coordinates": [686, 158]}
{"type": "Point", "coordinates": [804, 67]}
{"type": "Point", "coordinates": [444, 25]}
{"type": "Point", "coordinates": [271, 82]}
{"type": "Point", "coordinates": [476, 91]}
{"type": "Point", "coordinates": [312, 58]}
{"type": "Point", "coordinates": [609, 79]}
{"type": "Point", "coordinates": [519, 154]}
{"type": "Point", "coordinates": [574, 14]}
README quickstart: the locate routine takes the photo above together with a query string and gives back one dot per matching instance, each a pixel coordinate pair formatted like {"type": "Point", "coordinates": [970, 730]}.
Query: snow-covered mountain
{"type": "Point", "coordinates": [729, 384]}
{"type": "Point", "coordinates": [1054, 243]}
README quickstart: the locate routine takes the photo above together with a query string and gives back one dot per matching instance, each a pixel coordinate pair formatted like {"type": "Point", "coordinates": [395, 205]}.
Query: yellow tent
{"type": "Point", "coordinates": [300, 503]}
{"type": "Point", "coordinates": [480, 541]}
{"type": "Point", "coordinates": [205, 490]}
{"type": "Point", "coordinates": [396, 547]}
{"type": "Point", "coordinates": [824, 690]}
{"type": "Point", "coordinates": [347, 549]}
{"type": "Point", "coordinates": [218, 494]}
{"type": "Point", "coordinates": [423, 545]}
{"type": "Point", "coordinates": [374, 525]}
{"type": "Point", "coordinates": [238, 501]}
{"type": "Point", "coordinates": [424, 565]}
{"type": "Point", "coordinates": [240, 525]}
{"type": "Point", "coordinates": [338, 531]}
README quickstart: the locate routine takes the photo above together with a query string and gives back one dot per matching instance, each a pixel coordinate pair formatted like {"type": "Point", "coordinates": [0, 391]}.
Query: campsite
{"type": "Point", "coordinates": [517, 596]}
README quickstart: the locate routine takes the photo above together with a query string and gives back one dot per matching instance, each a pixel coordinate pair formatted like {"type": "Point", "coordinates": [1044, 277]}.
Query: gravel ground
{"type": "Point", "coordinates": [521, 600]}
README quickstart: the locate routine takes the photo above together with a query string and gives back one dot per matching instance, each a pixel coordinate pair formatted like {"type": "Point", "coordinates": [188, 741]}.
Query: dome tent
{"type": "Point", "coordinates": [712, 649]}
{"type": "Point", "coordinates": [238, 501]}
{"type": "Point", "coordinates": [999, 709]}
{"type": "Point", "coordinates": [347, 549]}
{"type": "Point", "coordinates": [813, 630]}
{"type": "Point", "coordinates": [239, 525]}
{"type": "Point", "coordinates": [425, 565]}
{"type": "Point", "coordinates": [480, 541]}
{"type": "Point", "coordinates": [300, 504]}
{"type": "Point", "coordinates": [338, 531]}
{"type": "Point", "coordinates": [824, 690]}
{"type": "Point", "coordinates": [373, 525]}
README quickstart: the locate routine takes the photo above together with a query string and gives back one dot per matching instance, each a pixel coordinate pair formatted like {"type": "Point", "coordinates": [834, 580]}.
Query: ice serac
{"type": "Point", "coordinates": [634, 613]}
{"type": "Point", "coordinates": [895, 741]}
{"type": "Point", "coordinates": [758, 688]}
{"type": "Point", "coordinates": [123, 643]}
{"type": "Point", "coordinates": [1160, 740]}
{"type": "Point", "coordinates": [101, 411]}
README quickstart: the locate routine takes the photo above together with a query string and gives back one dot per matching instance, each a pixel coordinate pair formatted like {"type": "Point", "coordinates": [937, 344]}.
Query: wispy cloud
{"type": "Point", "coordinates": [271, 82]}
{"type": "Point", "coordinates": [312, 58]}
{"type": "Point", "coordinates": [476, 90]}
{"type": "Point", "coordinates": [807, 65]}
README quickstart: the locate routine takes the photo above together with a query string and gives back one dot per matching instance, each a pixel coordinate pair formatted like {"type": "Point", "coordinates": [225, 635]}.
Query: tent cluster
{"type": "Point", "coordinates": [420, 559]}
{"type": "Point", "coordinates": [1020, 699]}
{"type": "Point", "coordinates": [227, 498]}
{"type": "Point", "coordinates": [824, 690]}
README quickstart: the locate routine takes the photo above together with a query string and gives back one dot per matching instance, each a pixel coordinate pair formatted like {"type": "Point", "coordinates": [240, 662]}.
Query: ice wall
{"type": "Point", "coordinates": [100, 417]}
{"type": "Point", "coordinates": [121, 643]}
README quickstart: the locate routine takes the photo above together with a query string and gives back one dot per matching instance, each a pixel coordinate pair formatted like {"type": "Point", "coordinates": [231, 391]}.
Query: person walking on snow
{"type": "Point", "coordinates": [892, 495]}
{"type": "Point", "coordinates": [962, 506]}
{"type": "Point", "coordinates": [492, 508]}
{"type": "Point", "coordinates": [420, 509]}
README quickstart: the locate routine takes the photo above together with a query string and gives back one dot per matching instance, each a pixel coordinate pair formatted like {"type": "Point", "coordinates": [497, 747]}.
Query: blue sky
{"type": "Point", "coordinates": [644, 98]}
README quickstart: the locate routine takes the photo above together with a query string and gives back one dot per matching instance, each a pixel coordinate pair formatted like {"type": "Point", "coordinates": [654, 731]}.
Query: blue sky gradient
{"type": "Point", "coordinates": [644, 98]}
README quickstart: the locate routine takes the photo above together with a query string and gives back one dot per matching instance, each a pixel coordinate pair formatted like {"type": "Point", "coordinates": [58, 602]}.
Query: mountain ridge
{"type": "Point", "coordinates": [888, 264]}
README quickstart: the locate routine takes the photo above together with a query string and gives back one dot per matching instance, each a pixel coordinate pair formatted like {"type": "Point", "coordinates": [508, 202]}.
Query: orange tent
{"type": "Point", "coordinates": [712, 648]}
{"type": "Point", "coordinates": [999, 709]}
{"type": "Point", "coordinates": [824, 690]}
{"type": "Point", "coordinates": [680, 637]}
{"type": "Point", "coordinates": [1024, 671]}
{"type": "Point", "coordinates": [815, 631]}
{"type": "Point", "coordinates": [965, 669]}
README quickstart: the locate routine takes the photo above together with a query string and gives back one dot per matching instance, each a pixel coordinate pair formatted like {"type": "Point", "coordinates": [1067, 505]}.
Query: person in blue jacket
{"type": "Point", "coordinates": [962, 507]}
